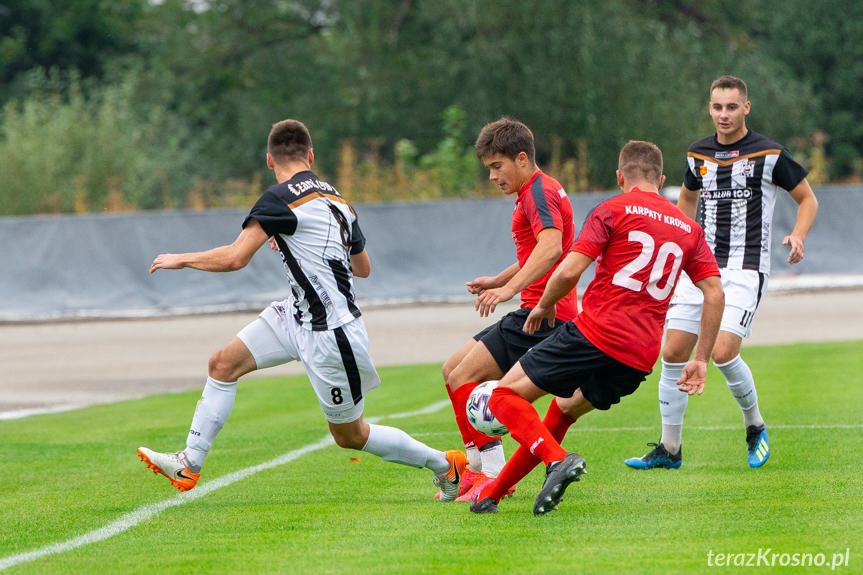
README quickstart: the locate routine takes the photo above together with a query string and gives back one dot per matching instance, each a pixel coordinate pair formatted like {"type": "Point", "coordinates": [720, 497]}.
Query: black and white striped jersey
{"type": "Point", "coordinates": [316, 231]}
{"type": "Point", "coordinates": [738, 184]}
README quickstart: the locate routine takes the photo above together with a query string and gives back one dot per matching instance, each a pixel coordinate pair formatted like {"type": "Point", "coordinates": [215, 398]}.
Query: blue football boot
{"type": "Point", "coordinates": [658, 457]}
{"type": "Point", "coordinates": [757, 445]}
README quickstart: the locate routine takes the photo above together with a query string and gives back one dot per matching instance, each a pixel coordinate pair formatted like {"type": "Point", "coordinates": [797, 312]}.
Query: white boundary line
{"type": "Point", "coordinates": [22, 413]}
{"type": "Point", "coordinates": [577, 429]}
{"type": "Point", "coordinates": [146, 512]}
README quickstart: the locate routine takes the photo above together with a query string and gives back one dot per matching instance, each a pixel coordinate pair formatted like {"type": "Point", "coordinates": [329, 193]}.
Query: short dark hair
{"type": "Point", "coordinates": [289, 140]}
{"type": "Point", "coordinates": [507, 137]}
{"type": "Point", "coordinates": [641, 160]}
{"type": "Point", "coordinates": [731, 83]}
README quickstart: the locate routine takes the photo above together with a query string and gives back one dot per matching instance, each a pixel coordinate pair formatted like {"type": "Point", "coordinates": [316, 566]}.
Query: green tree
{"type": "Point", "coordinates": [822, 45]}
{"type": "Point", "coordinates": [80, 36]}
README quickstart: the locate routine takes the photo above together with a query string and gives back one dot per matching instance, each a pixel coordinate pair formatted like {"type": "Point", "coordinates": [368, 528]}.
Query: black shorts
{"type": "Point", "coordinates": [507, 342]}
{"type": "Point", "coordinates": [567, 360]}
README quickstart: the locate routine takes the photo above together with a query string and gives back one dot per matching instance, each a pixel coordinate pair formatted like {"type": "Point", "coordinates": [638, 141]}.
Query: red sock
{"type": "Point", "coordinates": [460, 396]}
{"type": "Point", "coordinates": [460, 416]}
{"type": "Point", "coordinates": [557, 421]}
{"type": "Point", "coordinates": [522, 461]}
{"type": "Point", "coordinates": [519, 416]}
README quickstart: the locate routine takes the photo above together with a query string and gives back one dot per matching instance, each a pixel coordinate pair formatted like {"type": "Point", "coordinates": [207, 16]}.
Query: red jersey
{"type": "Point", "coordinates": [640, 242]}
{"type": "Point", "coordinates": [542, 203]}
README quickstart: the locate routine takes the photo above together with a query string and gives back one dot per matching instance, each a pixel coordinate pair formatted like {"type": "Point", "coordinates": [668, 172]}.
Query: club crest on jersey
{"type": "Point", "coordinates": [749, 168]}
{"type": "Point", "coordinates": [726, 155]}
{"type": "Point", "coordinates": [702, 170]}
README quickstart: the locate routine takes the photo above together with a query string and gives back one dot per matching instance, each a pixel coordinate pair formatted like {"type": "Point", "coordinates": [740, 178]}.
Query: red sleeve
{"type": "Point", "coordinates": [541, 208]}
{"type": "Point", "coordinates": [595, 233]}
{"type": "Point", "coordinates": [702, 264]}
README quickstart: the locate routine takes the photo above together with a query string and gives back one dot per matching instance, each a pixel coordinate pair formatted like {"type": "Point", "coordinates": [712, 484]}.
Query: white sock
{"type": "Point", "coordinates": [393, 444]}
{"type": "Point", "coordinates": [493, 459]}
{"type": "Point", "coordinates": [672, 406]}
{"type": "Point", "coordinates": [741, 384]}
{"type": "Point", "coordinates": [211, 413]}
{"type": "Point", "coordinates": [474, 463]}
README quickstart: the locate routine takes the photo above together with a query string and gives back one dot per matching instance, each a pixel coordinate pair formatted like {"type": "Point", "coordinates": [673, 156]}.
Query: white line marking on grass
{"type": "Point", "coordinates": [22, 413]}
{"type": "Point", "coordinates": [576, 428]}
{"type": "Point", "coordinates": [146, 512]}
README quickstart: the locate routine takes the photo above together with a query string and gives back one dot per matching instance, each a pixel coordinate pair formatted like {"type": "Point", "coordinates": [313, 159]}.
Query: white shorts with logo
{"type": "Point", "coordinates": [743, 292]}
{"type": "Point", "coordinates": [337, 362]}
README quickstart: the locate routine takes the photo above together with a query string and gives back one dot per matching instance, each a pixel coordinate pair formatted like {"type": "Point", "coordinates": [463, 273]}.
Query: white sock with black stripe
{"type": "Point", "coordinates": [393, 444]}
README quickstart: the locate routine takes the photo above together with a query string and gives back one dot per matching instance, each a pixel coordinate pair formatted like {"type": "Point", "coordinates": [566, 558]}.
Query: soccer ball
{"type": "Point", "coordinates": [478, 414]}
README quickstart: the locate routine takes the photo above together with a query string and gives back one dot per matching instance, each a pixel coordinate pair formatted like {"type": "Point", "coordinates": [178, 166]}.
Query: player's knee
{"type": "Point", "coordinates": [348, 439]}
{"type": "Point", "coordinates": [446, 371]}
{"type": "Point", "coordinates": [221, 368]}
{"type": "Point", "coordinates": [722, 355]}
{"type": "Point", "coordinates": [675, 356]}
{"type": "Point", "coordinates": [676, 352]}
{"type": "Point", "coordinates": [449, 367]}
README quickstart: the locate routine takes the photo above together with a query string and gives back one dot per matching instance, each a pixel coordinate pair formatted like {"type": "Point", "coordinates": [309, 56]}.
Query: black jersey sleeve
{"type": "Point", "coordinates": [273, 214]}
{"type": "Point", "coordinates": [787, 173]}
{"type": "Point", "coordinates": [358, 240]}
{"type": "Point", "coordinates": [690, 180]}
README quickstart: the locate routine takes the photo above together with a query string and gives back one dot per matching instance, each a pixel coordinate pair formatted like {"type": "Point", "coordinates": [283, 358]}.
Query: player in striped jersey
{"type": "Point", "coordinates": [737, 174]}
{"type": "Point", "coordinates": [318, 236]}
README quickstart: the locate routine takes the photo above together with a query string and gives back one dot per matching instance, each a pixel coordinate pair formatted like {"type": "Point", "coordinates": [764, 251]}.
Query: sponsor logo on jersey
{"type": "Point", "coordinates": [723, 155]}
{"type": "Point", "coordinates": [727, 194]}
{"type": "Point", "coordinates": [312, 184]}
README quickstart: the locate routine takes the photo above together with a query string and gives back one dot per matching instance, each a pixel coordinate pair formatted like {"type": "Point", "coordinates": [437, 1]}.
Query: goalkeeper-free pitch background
{"type": "Point", "coordinates": [277, 496]}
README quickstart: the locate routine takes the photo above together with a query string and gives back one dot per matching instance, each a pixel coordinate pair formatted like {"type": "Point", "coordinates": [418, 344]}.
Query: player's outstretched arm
{"type": "Point", "coordinates": [807, 209]}
{"type": "Point", "coordinates": [482, 283]}
{"type": "Point", "coordinates": [544, 255]}
{"type": "Point", "coordinates": [694, 373]}
{"type": "Point", "coordinates": [561, 282]}
{"type": "Point", "coordinates": [221, 259]}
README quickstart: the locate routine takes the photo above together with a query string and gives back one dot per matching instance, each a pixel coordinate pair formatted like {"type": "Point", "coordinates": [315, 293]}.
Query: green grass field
{"type": "Point", "coordinates": [72, 480]}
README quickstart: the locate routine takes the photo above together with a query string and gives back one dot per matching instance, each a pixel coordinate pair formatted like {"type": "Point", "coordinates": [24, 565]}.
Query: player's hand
{"type": "Point", "coordinates": [487, 301]}
{"type": "Point", "coordinates": [535, 317]}
{"type": "Point", "coordinates": [692, 377]}
{"type": "Point", "coordinates": [272, 242]}
{"type": "Point", "coordinates": [167, 262]}
{"type": "Point", "coordinates": [480, 284]}
{"type": "Point", "coordinates": [797, 250]}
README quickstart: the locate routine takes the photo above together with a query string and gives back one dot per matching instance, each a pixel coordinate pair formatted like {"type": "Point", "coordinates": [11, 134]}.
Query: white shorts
{"type": "Point", "coordinates": [337, 362]}
{"type": "Point", "coordinates": [743, 291]}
